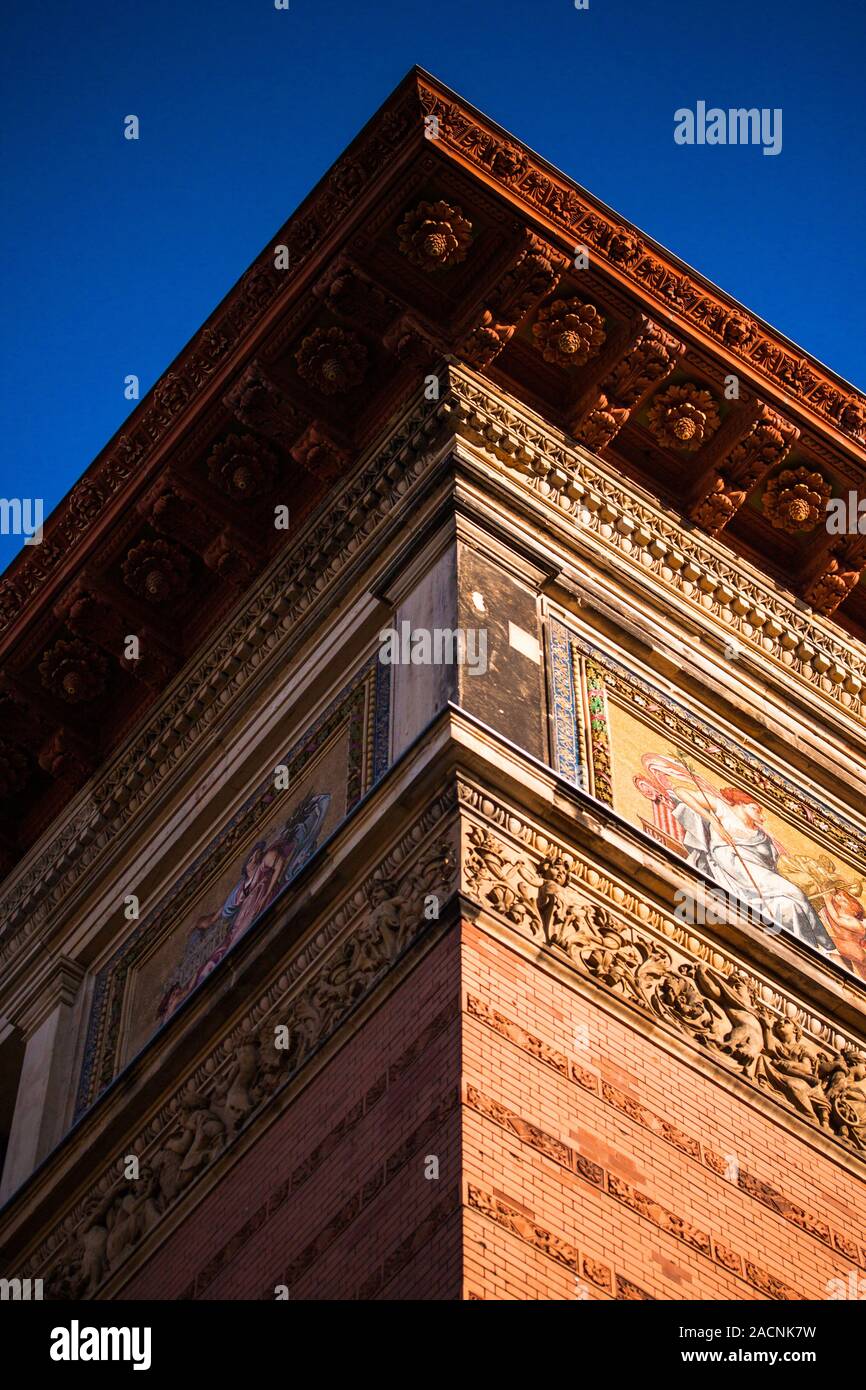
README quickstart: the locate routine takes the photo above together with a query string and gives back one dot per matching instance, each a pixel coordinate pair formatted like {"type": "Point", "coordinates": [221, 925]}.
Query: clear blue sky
{"type": "Point", "coordinates": [116, 251]}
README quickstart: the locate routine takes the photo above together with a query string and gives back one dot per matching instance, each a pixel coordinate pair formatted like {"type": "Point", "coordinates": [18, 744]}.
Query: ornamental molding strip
{"type": "Point", "coordinates": [654, 542]}
{"type": "Point", "coordinates": [341, 963]}
{"type": "Point", "coordinates": [663, 970]}
{"type": "Point", "coordinates": [257, 639]}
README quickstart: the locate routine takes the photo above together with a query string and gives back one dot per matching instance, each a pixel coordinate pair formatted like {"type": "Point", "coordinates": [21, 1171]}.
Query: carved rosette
{"type": "Point", "coordinates": [332, 360]}
{"type": "Point", "coordinates": [73, 671]}
{"type": "Point", "coordinates": [434, 236]}
{"type": "Point", "coordinates": [242, 468]}
{"type": "Point", "coordinates": [796, 499]}
{"type": "Point", "coordinates": [316, 454]}
{"type": "Point", "coordinates": [684, 417]}
{"type": "Point", "coordinates": [569, 332]}
{"type": "Point", "coordinates": [14, 769]}
{"type": "Point", "coordinates": [156, 570]}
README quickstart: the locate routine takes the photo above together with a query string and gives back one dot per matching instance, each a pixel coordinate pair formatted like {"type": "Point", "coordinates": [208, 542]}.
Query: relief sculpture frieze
{"type": "Point", "coordinates": [342, 961]}
{"type": "Point", "coordinates": [673, 976]}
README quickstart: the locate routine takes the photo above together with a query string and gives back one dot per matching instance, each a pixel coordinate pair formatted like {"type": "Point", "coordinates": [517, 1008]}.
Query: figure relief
{"type": "Point", "coordinates": [720, 1010]}
{"type": "Point", "coordinates": [797, 1069]}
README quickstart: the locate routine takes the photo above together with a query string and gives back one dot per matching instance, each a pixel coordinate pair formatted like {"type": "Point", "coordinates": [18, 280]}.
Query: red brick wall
{"type": "Point", "coordinates": [589, 1162]}
{"type": "Point", "coordinates": [594, 1162]}
{"type": "Point", "coordinates": [332, 1200]}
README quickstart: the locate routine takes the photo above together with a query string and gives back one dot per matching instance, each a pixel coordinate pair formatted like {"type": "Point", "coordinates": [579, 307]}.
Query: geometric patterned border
{"type": "Point", "coordinates": [363, 704]}
{"type": "Point", "coordinates": [766, 1194]}
{"type": "Point", "coordinates": [702, 1242]}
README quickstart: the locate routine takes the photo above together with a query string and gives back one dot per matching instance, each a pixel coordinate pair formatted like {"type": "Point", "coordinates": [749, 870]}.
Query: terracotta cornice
{"type": "Point", "coordinates": [393, 136]}
{"type": "Point", "coordinates": [134, 456]}
{"type": "Point", "coordinates": [637, 261]}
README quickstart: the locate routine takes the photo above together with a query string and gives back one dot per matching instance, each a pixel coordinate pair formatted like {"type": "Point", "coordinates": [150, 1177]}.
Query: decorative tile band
{"type": "Point", "coordinates": [747, 1183]}
{"type": "Point", "coordinates": [679, 1227]}
{"type": "Point", "coordinates": [515, 1220]}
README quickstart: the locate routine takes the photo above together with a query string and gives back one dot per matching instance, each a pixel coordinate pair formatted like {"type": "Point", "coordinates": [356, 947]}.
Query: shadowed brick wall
{"type": "Point", "coordinates": [332, 1200]}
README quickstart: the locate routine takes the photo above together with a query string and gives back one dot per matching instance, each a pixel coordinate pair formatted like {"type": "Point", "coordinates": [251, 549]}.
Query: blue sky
{"type": "Point", "coordinates": [115, 251]}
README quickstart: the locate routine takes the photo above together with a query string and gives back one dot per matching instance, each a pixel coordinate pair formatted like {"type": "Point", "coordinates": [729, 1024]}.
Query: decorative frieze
{"type": "Point", "coordinates": [747, 1182]}
{"type": "Point", "coordinates": [665, 970]}
{"type": "Point", "coordinates": [339, 965]}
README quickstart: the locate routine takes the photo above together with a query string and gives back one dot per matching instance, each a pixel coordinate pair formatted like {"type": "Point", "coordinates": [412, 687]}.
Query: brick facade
{"type": "Point", "coordinates": [577, 1159]}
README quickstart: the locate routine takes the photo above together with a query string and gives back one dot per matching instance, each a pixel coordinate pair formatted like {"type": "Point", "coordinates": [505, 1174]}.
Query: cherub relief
{"type": "Point", "coordinates": [390, 909]}
{"type": "Point", "coordinates": [557, 903]}
{"type": "Point", "coordinates": [796, 1068]}
{"type": "Point", "coordinates": [743, 1038]}
{"type": "Point", "coordinates": [678, 995]}
{"type": "Point", "coordinates": [234, 1100]}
